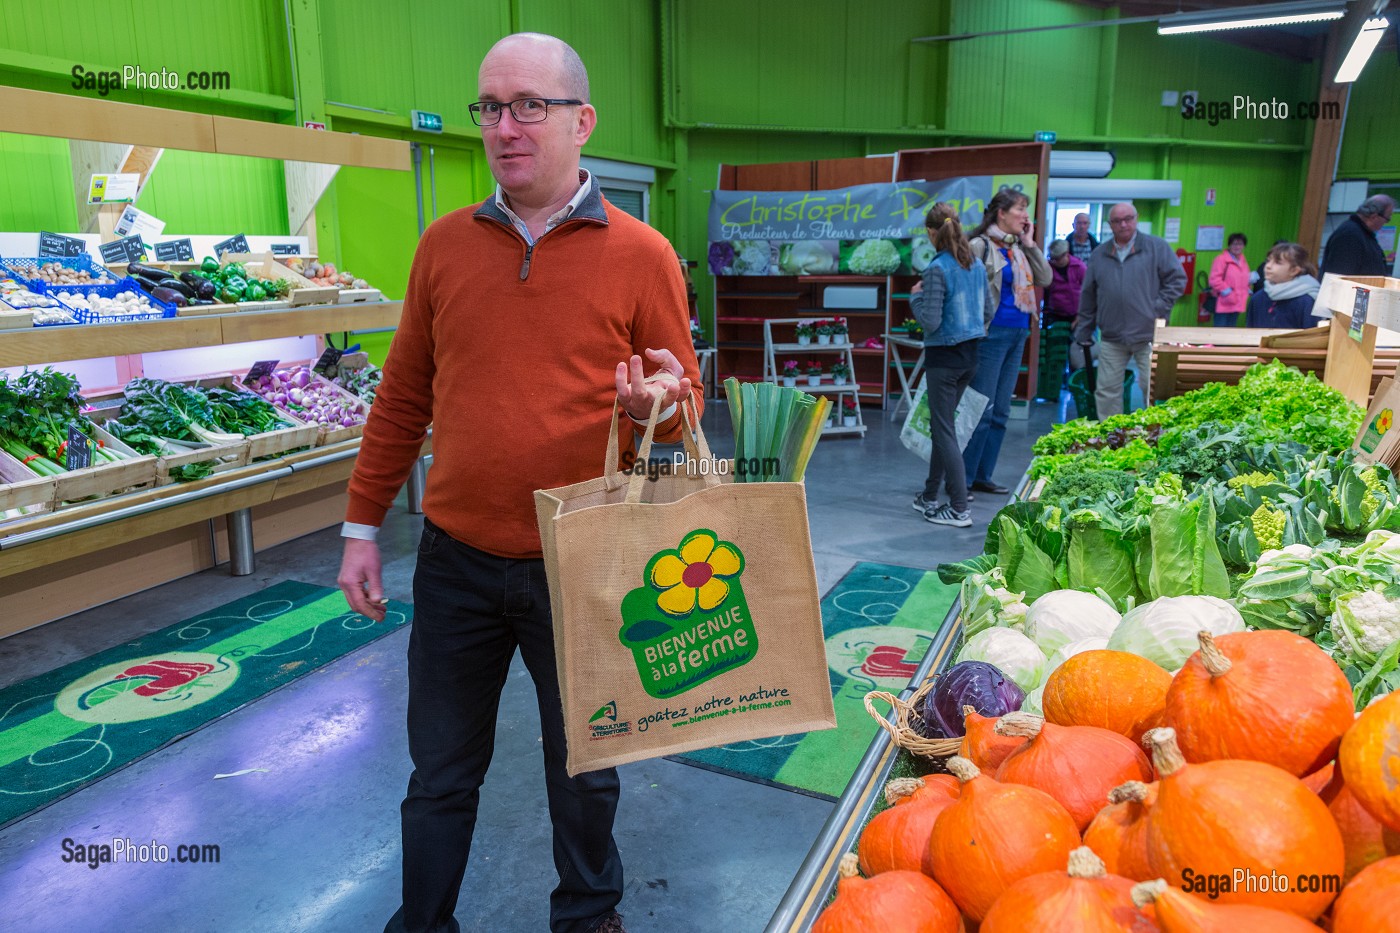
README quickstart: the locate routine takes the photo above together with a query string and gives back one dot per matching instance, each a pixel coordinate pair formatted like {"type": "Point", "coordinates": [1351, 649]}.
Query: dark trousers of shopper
{"type": "Point", "coordinates": [944, 387]}
{"type": "Point", "coordinates": [471, 611]}
{"type": "Point", "coordinates": [998, 365]}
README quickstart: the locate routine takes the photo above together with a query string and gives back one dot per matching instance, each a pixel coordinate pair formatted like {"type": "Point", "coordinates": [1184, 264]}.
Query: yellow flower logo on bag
{"type": "Point", "coordinates": [690, 622]}
{"type": "Point", "coordinates": [1376, 430]}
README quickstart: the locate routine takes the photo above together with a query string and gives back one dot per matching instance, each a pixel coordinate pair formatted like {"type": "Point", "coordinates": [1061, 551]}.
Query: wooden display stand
{"type": "Point", "coordinates": [771, 373]}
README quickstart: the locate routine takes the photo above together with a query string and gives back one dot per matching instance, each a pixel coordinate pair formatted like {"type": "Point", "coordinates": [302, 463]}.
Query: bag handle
{"type": "Point", "coordinates": [692, 436]}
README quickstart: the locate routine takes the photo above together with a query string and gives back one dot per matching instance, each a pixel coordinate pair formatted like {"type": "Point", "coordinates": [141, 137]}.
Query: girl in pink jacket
{"type": "Point", "coordinates": [1229, 279]}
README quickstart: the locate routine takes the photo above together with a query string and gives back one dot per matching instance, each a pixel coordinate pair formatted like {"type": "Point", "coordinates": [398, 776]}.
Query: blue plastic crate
{"type": "Point", "coordinates": [160, 309]}
{"type": "Point", "coordinates": [27, 270]}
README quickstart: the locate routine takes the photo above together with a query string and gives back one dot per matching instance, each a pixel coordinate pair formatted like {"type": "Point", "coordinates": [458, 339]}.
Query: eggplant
{"type": "Point", "coordinates": [148, 284]}
{"type": "Point", "coordinates": [203, 288]}
{"type": "Point", "coordinates": [181, 287]}
{"type": "Point", "coordinates": [170, 296]}
{"type": "Point", "coordinates": [150, 272]}
{"type": "Point", "coordinates": [202, 301]}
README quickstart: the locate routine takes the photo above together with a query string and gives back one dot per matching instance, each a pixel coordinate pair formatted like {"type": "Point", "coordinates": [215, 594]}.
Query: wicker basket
{"type": "Point", "coordinates": [902, 731]}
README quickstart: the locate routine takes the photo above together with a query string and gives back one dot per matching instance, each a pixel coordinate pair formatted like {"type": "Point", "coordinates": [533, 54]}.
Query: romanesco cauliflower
{"type": "Point", "coordinates": [1250, 479]}
{"type": "Point", "coordinates": [1268, 523]}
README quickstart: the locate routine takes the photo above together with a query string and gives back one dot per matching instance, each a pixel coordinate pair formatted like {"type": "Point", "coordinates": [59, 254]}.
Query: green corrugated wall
{"type": "Point", "coordinates": [747, 82]}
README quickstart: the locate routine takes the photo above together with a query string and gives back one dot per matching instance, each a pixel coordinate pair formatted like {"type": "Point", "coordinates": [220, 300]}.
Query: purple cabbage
{"type": "Point", "coordinates": [970, 683]}
{"type": "Point", "coordinates": [721, 257]}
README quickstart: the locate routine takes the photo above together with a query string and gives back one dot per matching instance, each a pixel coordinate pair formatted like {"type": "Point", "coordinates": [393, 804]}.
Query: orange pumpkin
{"type": "Point", "coordinates": [1217, 817]}
{"type": "Point", "coordinates": [1362, 836]}
{"type": "Point", "coordinates": [1319, 780]}
{"type": "Point", "coordinates": [1391, 839]}
{"type": "Point", "coordinates": [1269, 696]}
{"type": "Point", "coordinates": [891, 902]}
{"type": "Point", "coordinates": [897, 838]}
{"type": "Point", "coordinates": [1370, 759]}
{"type": "Point", "coordinates": [1077, 765]}
{"type": "Point", "coordinates": [994, 835]}
{"type": "Point", "coordinates": [1085, 899]}
{"type": "Point", "coordinates": [1371, 902]}
{"type": "Point", "coordinates": [1118, 834]}
{"type": "Point", "coordinates": [1113, 690]}
{"type": "Point", "coordinates": [1181, 913]}
{"type": "Point", "coordinates": [981, 745]}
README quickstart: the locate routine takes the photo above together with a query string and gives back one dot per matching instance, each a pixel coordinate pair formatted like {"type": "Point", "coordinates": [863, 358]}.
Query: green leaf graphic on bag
{"type": "Point", "coordinates": [690, 623]}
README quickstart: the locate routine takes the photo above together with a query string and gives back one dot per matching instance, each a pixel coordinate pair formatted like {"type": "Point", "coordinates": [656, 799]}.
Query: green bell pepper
{"type": "Point", "coordinates": [209, 266]}
{"type": "Point", "coordinates": [255, 292]}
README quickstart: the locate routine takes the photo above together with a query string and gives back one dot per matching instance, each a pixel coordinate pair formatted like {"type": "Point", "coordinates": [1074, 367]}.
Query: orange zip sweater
{"type": "Point", "coordinates": [508, 351]}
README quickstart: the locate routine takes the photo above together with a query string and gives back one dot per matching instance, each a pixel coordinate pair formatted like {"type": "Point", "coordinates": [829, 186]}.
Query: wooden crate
{"type": "Point", "coordinates": [353, 295]}
{"type": "Point", "coordinates": [229, 456]}
{"type": "Point", "coordinates": [265, 266]}
{"type": "Point", "coordinates": [21, 487]}
{"type": "Point", "coordinates": [269, 443]}
{"type": "Point", "coordinates": [1338, 294]}
{"type": "Point", "coordinates": [108, 478]}
{"type": "Point", "coordinates": [325, 433]}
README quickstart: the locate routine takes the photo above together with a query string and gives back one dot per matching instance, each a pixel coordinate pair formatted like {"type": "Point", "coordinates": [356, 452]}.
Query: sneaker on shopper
{"type": "Point", "coordinates": [946, 515]}
{"type": "Point", "coordinates": [922, 505]}
{"type": "Point", "coordinates": [612, 923]}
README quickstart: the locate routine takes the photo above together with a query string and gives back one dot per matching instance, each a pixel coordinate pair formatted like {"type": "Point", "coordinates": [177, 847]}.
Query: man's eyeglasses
{"type": "Point", "coordinates": [524, 110]}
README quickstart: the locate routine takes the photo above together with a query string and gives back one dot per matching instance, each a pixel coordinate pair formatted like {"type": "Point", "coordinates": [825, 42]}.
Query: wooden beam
{"type": "Point", "coordinates": [306, 183]}
{"type": "Point", "coordinates": [40, 113]}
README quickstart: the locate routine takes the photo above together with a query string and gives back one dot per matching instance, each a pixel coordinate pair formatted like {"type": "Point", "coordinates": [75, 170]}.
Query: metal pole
{"type": "Point", "coordinates": [417, 480]}
{"type": "Point", "coordinates": [241, 559]}
{"type": "Point", "coordinates": [432, 178]}
{"type": "Point", "coordinates": [418, 182]}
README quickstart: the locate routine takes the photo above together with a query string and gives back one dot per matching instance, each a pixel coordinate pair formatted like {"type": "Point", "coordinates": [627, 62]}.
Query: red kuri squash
{"type": "Point", "coordinates": [994, 835]}
{"type": "Point", "coordinates": [1077, 765]}
{"type": "Point", "coordinates": [1178, 912]}
{"type": "Point", "coordinates": [1362, 836]}
{"type": "Point", "coordinates": [1219, 817]}
{"type": "Point", "coordinates": [1269, 696]}
{"type": "Point", "coordinates": [1370, 759]}
{"type": "Point", "coordinates": [1113, 690]}
{"type": "Point", "coordinates": [897, 839]}
{"type": "Point", "coordinates": [1084, 899]}
{"type": "Point", "coordinates": [1118, 834]}
{"type": "Point", "coordinates": [1371, 902]}
{"type": "Point", "coordinates": [1319, 780]}
{"type": "Point", "coordinates": [891, 902]}
{"type": "Point", "coordinates": [981, 745]}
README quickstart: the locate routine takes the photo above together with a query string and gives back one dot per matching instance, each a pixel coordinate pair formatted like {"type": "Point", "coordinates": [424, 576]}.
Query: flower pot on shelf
{"type": "Point", "coordinates": [814, 380]}
{"type": "Point", "coordinates": [839, 380]}
{"type": "Point", "coordinates": [823, 338]}
{"type": "Point", "coordinates": [803, 340]}
{"type": "Point", "coordinates": [790, 381]}
{"type": "Point", "coordinates": [849, 420]}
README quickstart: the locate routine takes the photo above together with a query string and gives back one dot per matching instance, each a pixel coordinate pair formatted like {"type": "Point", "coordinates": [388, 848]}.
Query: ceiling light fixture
{"type": "Point", "coordinates": [1248, 17]}
{"type": "Point", "coordinates": [1361, 48]}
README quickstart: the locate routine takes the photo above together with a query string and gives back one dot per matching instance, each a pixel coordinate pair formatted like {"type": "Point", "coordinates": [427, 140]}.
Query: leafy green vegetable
{"type": "Point", "coordinates": [1101, 557]}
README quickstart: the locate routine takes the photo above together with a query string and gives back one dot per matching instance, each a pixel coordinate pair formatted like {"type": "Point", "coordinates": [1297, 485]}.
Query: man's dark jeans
{"type": "Point", "coordinates": [944, 388]}
{"type": "Point", "coordinates": [470, 612]}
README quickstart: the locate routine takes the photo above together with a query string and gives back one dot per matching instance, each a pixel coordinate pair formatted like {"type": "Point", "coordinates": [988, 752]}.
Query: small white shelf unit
{"type": "Point", "coordinates": [771, 372]}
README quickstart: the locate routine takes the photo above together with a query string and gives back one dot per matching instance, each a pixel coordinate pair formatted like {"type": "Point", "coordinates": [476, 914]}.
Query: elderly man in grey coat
{"type": "Point", "coordinates": [1132, 280]}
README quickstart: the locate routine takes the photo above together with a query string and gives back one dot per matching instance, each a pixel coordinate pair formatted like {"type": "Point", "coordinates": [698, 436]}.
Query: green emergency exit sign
{"type": "Point", "coordinates": [426, 122]}
{"type": "Point", "coordinates": [1045, 136]}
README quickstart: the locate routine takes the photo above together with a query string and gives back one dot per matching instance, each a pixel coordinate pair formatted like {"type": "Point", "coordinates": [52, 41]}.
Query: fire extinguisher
{"type": "Point", "coordinates": [1205, 309]}
{"type": "Point", "coordinates": [1188, 265]}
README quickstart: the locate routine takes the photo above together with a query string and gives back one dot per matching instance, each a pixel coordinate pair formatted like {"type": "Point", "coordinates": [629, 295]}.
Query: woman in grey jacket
{"type": "Point", "coordinates": [1015, 268]}
{"type": "Point", "coordinates": [954, 304]}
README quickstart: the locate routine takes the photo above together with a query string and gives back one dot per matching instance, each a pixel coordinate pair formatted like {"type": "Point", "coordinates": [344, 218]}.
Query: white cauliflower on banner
{"type": "Point", "coordinates": [874, 257]}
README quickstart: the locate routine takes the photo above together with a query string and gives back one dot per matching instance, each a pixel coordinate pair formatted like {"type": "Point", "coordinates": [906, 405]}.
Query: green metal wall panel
{"type": "Point", "coordinates": [36, 184]}
{"type": "Point", "coordinates": [199, 192]}
{"type": "Point", "coordinates": [1371, 144]}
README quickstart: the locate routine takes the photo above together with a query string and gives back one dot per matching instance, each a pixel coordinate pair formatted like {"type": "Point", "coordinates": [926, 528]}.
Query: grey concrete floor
{"type": "Point", "coordinates": [311, 844]}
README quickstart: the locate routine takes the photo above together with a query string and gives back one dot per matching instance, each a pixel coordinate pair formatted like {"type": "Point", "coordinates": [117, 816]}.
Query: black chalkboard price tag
{"type": "Point", "coordinates": [78, 451]}
{"type": "Point", "coordinates": [234, 244]}
{"type": "Point", "coordinates": [175, 251]}
{"type": "Point", "coordinates": [259, 369]}
{"type": "Point", "coordinates": [127, 249]}
{"type": "Point", "coordinates": [1359, 309]}
{"type": "Point", "coordinates": [328, 360]}
{"type": "Point", "coordinates": [286, 249]}
{"type": "Point", "coordinates": [56, 245]}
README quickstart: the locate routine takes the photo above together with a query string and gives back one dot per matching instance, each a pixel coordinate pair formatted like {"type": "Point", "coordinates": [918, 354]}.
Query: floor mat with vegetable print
{"type": "Point", "coordinates": [879, 621]}
{"type": "Point", "coordinates": [65, 729]}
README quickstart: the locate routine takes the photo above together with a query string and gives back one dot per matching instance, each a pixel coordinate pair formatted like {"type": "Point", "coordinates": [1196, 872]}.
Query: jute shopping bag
{"type": "Point", "coordinates": [686, 611]}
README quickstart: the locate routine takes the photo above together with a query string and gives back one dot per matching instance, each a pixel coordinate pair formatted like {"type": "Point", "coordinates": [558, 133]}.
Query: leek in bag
{"type": "Point", "coordinates": [773, 425]}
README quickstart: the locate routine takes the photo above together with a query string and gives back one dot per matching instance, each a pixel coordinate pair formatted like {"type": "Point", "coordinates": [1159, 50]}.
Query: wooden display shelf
{"type": "Point", "coordinates": [91, 341]}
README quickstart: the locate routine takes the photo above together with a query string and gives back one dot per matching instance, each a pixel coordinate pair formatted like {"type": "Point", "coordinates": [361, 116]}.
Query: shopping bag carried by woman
{"type": "Point", "coordinates": [686, 611]}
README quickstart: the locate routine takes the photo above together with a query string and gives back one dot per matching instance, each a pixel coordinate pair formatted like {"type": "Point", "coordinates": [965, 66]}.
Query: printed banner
{"type": "Point", "coordinates": [861, 230]}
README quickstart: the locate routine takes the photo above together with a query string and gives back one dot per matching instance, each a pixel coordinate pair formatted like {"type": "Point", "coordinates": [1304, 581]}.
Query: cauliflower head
{"type": "Point", "coordinates": [874, 257]}
{"type": "Point", "coordinates": [1268, 523]}
{"type": "Point", "coordinates": [1366, 623]}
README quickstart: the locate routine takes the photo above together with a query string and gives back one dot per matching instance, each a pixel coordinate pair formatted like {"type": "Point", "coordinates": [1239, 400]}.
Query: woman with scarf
{"type": "Point", "coordinates": [1290, 289]}
{"type": "Point", "coordinates": [1015, 267]}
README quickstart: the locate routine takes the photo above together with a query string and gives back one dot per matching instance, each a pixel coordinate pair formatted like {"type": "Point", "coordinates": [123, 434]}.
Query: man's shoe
{"type": "Point", "coordinates": [612, 923]}
{"type": "Point", "coordinates": [992, 488]}
{"type": "Point", "coordinates": [922, 505]}
{"type": "Point", "coordinates": [946, 515]}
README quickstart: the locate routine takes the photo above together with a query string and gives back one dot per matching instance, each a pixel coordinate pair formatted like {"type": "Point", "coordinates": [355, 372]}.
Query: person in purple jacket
{"type": "Point", "coordinates": [1062, 297]}
{"type": "Point", "coordinates": [1290, 289]}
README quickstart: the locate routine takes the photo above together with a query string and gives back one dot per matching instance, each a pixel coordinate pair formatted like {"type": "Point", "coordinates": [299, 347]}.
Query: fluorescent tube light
{"type": "Point", "coordinates": [1361, 48]}
{"type": "Point", "coordinates": [1271, 14]}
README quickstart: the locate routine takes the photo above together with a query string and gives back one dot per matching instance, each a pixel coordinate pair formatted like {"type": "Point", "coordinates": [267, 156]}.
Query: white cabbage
{"type": "Point", "coordinates": [1008, 651]}
{"type": "Point", "coordinates": [1165, 630]}
{"type": "Point", "coordinates": [1065, 652]}
{"type": "Point", "coordinates": [1031, 704]}
{"type": "Point", "coordinates": [1063, 616]}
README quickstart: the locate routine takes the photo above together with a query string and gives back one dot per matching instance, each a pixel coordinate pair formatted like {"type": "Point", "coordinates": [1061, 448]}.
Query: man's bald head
{"type": "Point", "coordinates": [554, 53]}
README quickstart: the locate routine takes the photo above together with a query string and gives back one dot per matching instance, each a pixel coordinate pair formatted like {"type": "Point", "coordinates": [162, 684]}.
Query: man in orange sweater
{"type": "Point", "coordinates": [516, 311]}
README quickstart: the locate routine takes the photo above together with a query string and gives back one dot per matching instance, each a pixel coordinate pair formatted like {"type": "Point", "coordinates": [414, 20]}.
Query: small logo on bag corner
{"type": "Point", "coordinates": [690, 623]}
{"type": "Point", "coordinates": [598, 729]}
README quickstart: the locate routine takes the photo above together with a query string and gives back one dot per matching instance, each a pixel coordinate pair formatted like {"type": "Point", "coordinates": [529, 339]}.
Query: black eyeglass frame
{"type": "Point", "coordinates": [475, 108]}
